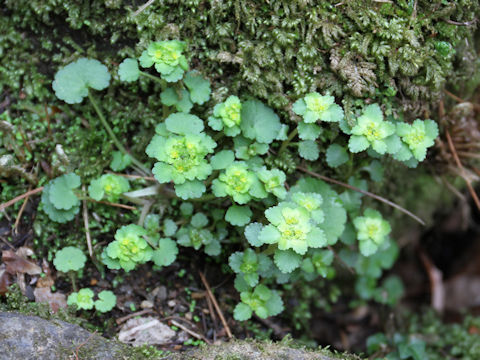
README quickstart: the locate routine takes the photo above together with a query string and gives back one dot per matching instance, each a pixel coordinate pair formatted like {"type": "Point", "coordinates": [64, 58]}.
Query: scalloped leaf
{"type": "Point", "coordinates": [61, 192]}
{"type": "Point", "coordinates": [336, 155]}
{"type": "Point", "coordinates": [166, 253]}
{"type": "Point", "coordinates": [128, 70]}
{"type": "Point", "coordinates": [190, 189]}
{"type": "Point", "coordinates": [71, 83]}
{"type": "Point", "coordinates": [259, 122]}
{"type": "Point", "coordinates": [238, 215]}
{"type": "Point", "coordinates": [183, 123]}
{"type": "Point", "coordinates": [199, 87]}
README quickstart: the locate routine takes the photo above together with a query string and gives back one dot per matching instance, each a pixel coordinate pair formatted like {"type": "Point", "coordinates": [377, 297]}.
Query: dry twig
{"type": "Point", "coordinates": [129, 316]}
{"type": "Point", "coordinates": [20, 212]}
{"type": "Point", "coordinates": [20, 197]}
{"type": "Point", "coordinates": [215, 304]}
{"type": "Point", "coordinates": [372, 195]}
{"type": "Point", "coordinates": [85, 224]}
{"type": "Point", "coordinates": [191, 332]}
{"type": "Point", "coordinates": [462, 170]}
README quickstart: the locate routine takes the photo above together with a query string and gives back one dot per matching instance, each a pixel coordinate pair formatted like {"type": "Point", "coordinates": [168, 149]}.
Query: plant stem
{"type": "Point", "coordinates": [72, 278]}
{"type": "Point", "coordinates": [287, 142]}
{"type": "Point", "coordinates": [207, 197]}
{"type": "Point", "coordinates": [112, 135]}
{"type": "Point", "coordinates": [162, 82]}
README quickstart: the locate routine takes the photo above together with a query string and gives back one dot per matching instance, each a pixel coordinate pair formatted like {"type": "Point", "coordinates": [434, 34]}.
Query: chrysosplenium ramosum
{"type": "Point", "coordinates": [273, 227]}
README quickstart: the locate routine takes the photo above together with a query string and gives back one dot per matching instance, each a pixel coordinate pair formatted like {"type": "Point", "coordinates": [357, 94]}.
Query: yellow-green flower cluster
{"type": "Point", "coordinates": [128, 249]}
{"type": "Point", "coordinates": [167, 57]}
{"type": "Point", "coordinates": [238, 182]}
{"type": "Point", "coordinates": [372, 231]}
{"type": "Point", "coordinates": [227, 116]}
{"type": "Point", "coordinates": [181, 157]}
{"type": "Point", "coordinates": [417, 138]}
{"type": "Point", "coordinates": [372, 130]}
{"type": "Point", "coordinates": [294, 224]}
{"type": "Point", "coordinates": [110, 186]}
{"type": "Point", "coordinates": [314, 107]}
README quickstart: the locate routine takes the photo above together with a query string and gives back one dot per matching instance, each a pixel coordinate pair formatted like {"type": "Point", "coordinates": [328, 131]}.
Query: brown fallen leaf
{"type": "Point", "coordinates": [56, 300]}
{"type": "Point", "coordinates": [5, 280]}
{"type": "Point", "coordinates": [17, 262]}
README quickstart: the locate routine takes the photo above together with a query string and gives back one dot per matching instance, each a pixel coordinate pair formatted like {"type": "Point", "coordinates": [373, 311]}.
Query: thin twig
{"type": "Point", "coordinates": [340, 259]}
{"type": "Point", "coordinates": [85, 224]}
{"type": "Point", "coordinates": [128, 207]}
{"type": "Point", "coordinates": [82, 344]}
{"type": "Point", "coordinates": [191, 332]}
{"type": "Point", "coordinates": [7, 243]}
{"type": "Point", "coordinates": [149, 178]}
{"type": "Point", "coordinates": [129, 316]}
{"type": "Point", "coordinates": [459, 99]}
{"type": "Point", "coordinates": [372, 195]}
{"type": "Point", "coordinates": [215, 304]}
{"type": "Point", "coordinates": [143, 7]}
{"type": "Point", "coordinates": [462, 170]}
{"type": "Point", "coordinates": [20, 197]}
{"type": "Point", "coordinates": [20, 212]}
{"type": "Point", "coordinates": [466, 23]}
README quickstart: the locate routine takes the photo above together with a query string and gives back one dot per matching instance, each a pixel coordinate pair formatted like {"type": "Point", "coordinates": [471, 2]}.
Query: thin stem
{"type": "Point", "coordinates": [207, 197]}
{"type": "Point", "coordinates": [372, 195]}
{"type": "Point", "coordinates": [72, 278]}
{"type": "Point", "coordinates": [162, 82]}
{"type": "Point", "coordinates": [287, 142]}
{"type": "Point", "coordinates": [112, 135]}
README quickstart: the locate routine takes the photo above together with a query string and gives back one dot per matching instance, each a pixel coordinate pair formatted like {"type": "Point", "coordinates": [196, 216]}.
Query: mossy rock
{"type": "Point", "coordinates": [31, 337]}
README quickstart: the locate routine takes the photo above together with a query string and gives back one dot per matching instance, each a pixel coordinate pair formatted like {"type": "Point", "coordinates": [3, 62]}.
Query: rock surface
{"type": "Point", "coordinates": [30, 337]}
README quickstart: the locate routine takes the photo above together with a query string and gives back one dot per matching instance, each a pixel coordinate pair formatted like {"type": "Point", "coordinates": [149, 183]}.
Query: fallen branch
{"type": "Point", "coordinates": [367, 193]}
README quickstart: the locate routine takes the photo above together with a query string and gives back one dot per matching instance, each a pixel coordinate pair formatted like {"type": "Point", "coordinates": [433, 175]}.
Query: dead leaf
{"type": "Point", "coordinates": [55, 300]}
{"type": "Point", "coordinates": [16, 263]}
{"type": "Point", "coordinates": [146, 330]}
{"type": "Point", "coordinates": [462, 291]}
{"type": "Point", "coordinates": [5, 280]}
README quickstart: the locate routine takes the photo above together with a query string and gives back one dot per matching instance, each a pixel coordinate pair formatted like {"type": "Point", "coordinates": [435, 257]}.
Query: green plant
{"type": "Point", "coordinates": [263, 301]}
{"type": "Point", "coordinates": [69, 259]}
{"type": "Point", "coordinates": [255, 175]}
{"type": "Point", "coordinates": [167, 58]}
{"type": "Point", "coordinates": [110, 186]}
{"type": "Point", "coordinates": [128, 249]}
{"type": "Point", "coordinates": [106, 301]}
{"type": "Point", "coordinates": [59, 200]}
{"type": "Point", "coordinates": [314, 107]}
{"type": "Point", "coordinates": [372, 131]}
{"type": "Point", "coordinates": [372, 231]}
{"type": "Point", "coordinates": [83, 299]}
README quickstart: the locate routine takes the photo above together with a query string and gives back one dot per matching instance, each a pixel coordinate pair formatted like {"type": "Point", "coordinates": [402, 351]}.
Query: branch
{"type": "Point", "coordinates": [372, 195]}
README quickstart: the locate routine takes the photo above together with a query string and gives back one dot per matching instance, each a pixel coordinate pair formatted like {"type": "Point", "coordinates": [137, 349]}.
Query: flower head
{"type": "Point", "coordinates": [418, 136]}
{"type": "Point", "coordinates": [128, 249]}
{"type": "Point", "coordinates": [167, 57]}
{"type": "Point", "coordinates": [314, 107]}
{"type": "Point", "coordinates": [227, 116]}
{"type": "Point", "coordinates": [372, 231]}
{"type": "Point", "coordinates": [292, 227]}
{"type": "Point", "coordinates": [110, 186]}
{"type": "Point", "coordinates": [83, 299]}
{"type": "Point", "coordinates": [238, 182]}
{"type": "Point", "coordinates": [372, 130]}
{"type": "Point", "coordinates": [181, 157]}
{"type": "Point", "coordinates": [273, 180]}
